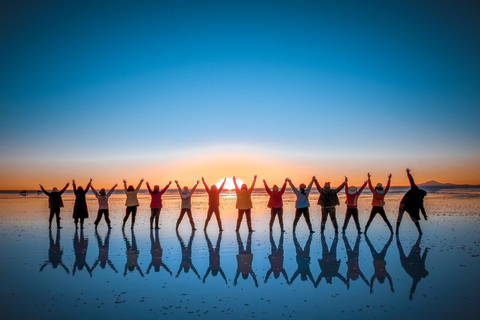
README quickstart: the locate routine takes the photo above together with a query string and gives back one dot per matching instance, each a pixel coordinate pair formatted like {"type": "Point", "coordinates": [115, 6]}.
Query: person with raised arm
{"type": "Point", "coordinates": [213, 203]}
{"type": "Point", "coordinates": [55, 202]}
{"type": "Point", "coordinates": [412, 202]}
{"type": "Point", "coordinates": [379, 264]}
{"type": "Point", "coordinates": [132, 254]}
{"type": "Point", "coordinates": [244, 260]}
{"type": "Point", "coordinates": [328, 200]}
{"type": "Point", "coordinates": [80, 246]}
{"type": "Point", "coordinates": [156, 202]}
{"type": "Point", "coordinates": [329, 264]}
{"type": "Point", "coordinates": [132, 201]}
{"type": "Point", "coordinates": [302, 203]}
{"type": "Point", "coordinates": [102, 205]}
{"type": "Point", "coordinates": [353, 272]}
{"type": "Point", "coordinates": [378, 201]}
{"type": "Point", "coordinates": [352, 194]}
{"type": "Point", "coordinates": [186, 263]}
{"type": "Point", "coordinates": [103, 247]}
{"type": "Point", "coordinates": [80, 210]}
{"type": "Point", "coordinates": [214, 258]}
{"type": "Point", "coordinates": [275, 203]}
{"type": "Point", "coordinates": [303, 260]}
{"type": "Point", "coordinates": [276, 259]}
{"type": "Point", "coordinates": [244, 203]}
{"type": "Point", "coordinates": [157, 252]}
{"type": "Point", "coordinates": [186, 196]}
{"type": "Point", "coordinates": [55, 253]}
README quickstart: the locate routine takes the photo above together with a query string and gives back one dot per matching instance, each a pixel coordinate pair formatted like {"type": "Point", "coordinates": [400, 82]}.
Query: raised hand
{"type": "Point", "coordinates": [369, 175]}
{"type": "Point", "coordinates": [390, 176]}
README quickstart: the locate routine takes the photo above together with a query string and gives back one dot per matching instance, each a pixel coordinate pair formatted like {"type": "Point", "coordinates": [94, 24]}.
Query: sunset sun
{"type": "Point", "coordinates": [229, 184]}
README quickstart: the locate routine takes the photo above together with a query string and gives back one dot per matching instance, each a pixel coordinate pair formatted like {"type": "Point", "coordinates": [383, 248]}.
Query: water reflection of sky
{"type": "Point", "coordinates": [148, 273]}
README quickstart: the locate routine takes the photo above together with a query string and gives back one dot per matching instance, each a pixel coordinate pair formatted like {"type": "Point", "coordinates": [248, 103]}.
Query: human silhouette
{"type": "Point", "coordinates": [244, 260]}
{"type": "Point", "coordinates": [55, 253]}
{"type": "Point", "coordinates": [353, 272]}
{"type": "Point", "coordinates": [186, 196]}
{"type": "Point", "coordinates": [214, 258]}
{"type": "Point", "coordinates": [276, 259]}
{"type": "Point", "coordinates": [302, 203]}
{"type": "Point", "coordinates": [329, 264]}
{"type": "Point", "coordinates": [414, 263]}
{"type": "Point", "coordinates": [157, 252]}
{"type": "Point", "coordinates": [103, 205]}
{"type": "Point", "coordinates": [186, 263]}
{"type": "Point", "coordinates": [80, 211]}
{"type": "Point", "coordinates": [132, 202]}
{"type": "Point", "coordinates": [275, 203]}
{"type": "Point", "coordinates": [328, 200]}
{"type": "Point", "coordinates": [156, 203]}
{"type": "Point", "coordinates": [303, 260]}
{"type": "Point", "coordinates": [102, 259]}
{"type": "Point", "coordinates": [132, 254]}
{"type": "Point", "coordinates": [55, 202]}
{"type": "Point", "coordinates": [412, 202]}
{"type": "Point", "coordinates": [80, 246]}
{"type": "Point", "coordinates": [244, 203]}
{"type": "Point", "coordinates": [213, 203]}
{"type": "Point", "coordinates": [379, 264]}
{"type": "Point", "coordinates": [352, 194]}
{"type": "Point", "coordinates": [378, 197]}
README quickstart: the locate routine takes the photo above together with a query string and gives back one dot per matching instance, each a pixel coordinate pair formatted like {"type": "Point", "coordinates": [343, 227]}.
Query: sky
{"type": "Point", "coordinates": [166, 90]}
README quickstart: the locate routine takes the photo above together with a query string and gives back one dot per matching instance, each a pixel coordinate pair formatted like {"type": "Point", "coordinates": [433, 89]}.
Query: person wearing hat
{"type": "Point", "coordinates": [102, 205]}
{"type": "Point", "coordinates": [328, 200]}
{"type": "Point", "coordinates": [378, 201]}
{"type": "Point", "coordinates": [186, 196]}
{"type": "Point", "coordinates": [302, 203]}
{"type": "Point", "coordinates": [54, 203]}
{"type": "Point", "coordinates": [352, 194]}
{"type": "Point", "coordinates": [412, 202]}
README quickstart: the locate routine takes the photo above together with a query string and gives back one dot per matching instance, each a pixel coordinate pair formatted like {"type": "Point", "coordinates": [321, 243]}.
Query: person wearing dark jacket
{"type": "Point", "coordinates": [55, 202]}
{"type": "Point", "coordinates": [412, 202]}
{"type": "Point", "coordinates": [80, 210]}
{"type": "Point", "coordinates": [328, 200]}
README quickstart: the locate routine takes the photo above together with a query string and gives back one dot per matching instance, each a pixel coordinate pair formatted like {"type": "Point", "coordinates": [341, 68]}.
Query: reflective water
{"type": "Point", "coordinates": [68, 274]}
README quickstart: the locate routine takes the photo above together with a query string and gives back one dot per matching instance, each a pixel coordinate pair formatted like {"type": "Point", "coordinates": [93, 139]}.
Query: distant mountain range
{"type": "Point", "coordinates": [436, 184]}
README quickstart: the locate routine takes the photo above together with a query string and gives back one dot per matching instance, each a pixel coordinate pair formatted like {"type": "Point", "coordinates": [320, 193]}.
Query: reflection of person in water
{"type": "Point", "coordinates": [244, 203]}
{"type": "Point", "coordinates": [55, 253]}
{"type": "Point", "coordinates": [351, 195]}
{"type": "Point", "coordinates": [54, 203]}
{"type": "Point", "coordinates": [80, 246]}
{"type": "Point", "coordinates": [275, 203]}
{"type": "Point", "coordinates": [156, 251]}
{"type": "Point", "coordinates": [244, 260]}
{"type": "Point", "coordinates": [80, 210]}
{"type": "Point", "coordinates": [156, 202]}
{"type": "Point", "coordinates": [414, 264]}
{"type": "Point", "coordinates": [102, 204]}
{"type": "Point", "coordinates": [329, 264]}
{"type": "Point", "coordinates": [186, 196]}
{"type": "Point", "coordinates": [214, 258]}
{"type": "Point", "coordinates": [353, 272]}
{"type": "Point", "coordinates": [303, 260]}
{"type": "Point", "coordinates": [186, 263]}
{"type": "Point", "coordinates": [328, 200]}
{"type": "Point", "coordinates": [379, 264]}
{"type": "Point", "coordinates": [213, 203]}
{"type": "Point", "coordinates": [378, 202]}
{"type": "Point", "coordinates": [132, 254]}
{"type": "Point", "coordinates": [132, 201]}
{"type": "Point", "coordinates": [276, 259]}
{"type": "Point", "coordinates": [102, 259]}
{"type": "Point", "coordinates": [412, 202]}
{"type": "Point", "coordinates": [302, 203]}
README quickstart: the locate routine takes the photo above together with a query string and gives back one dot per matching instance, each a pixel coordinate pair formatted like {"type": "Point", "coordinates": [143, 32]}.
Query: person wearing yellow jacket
{"type": "Point", "coordinates": [244, 202]}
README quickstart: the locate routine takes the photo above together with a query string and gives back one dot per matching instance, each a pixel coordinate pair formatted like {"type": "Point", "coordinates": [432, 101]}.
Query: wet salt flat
{"type": "Point", "coordinates": [69, 274]}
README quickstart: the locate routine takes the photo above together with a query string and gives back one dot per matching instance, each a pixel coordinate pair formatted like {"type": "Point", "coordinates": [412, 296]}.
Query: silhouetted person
{"type": "Point", "coordinates": [132, 254]}
{"type": "Point", "coordinates": [55, 253]}
{"type": "Point", "coordinates": [55, 202]}
{"type": "Point", "coordinates": [328, 200]}
{"type": "Point", "coordinates": [275, 203]}
{"type": "Point", "coordinates": [214, 258]}
{"type": "Point", "coordinates": [244, 203]}
{"type": "Point", "coordinates": [186, 263]}
{"type": "Point", "coordinates": [379, 264]}
{"type": "Point", "coordinates": [329, 264]}
{"type": "Point", "coordinates": [132, 201]}
{"type": "Point", "coordinates": [302, 203]}
{"type": "Point", "coordinates": [412, 202]}
{"type": "Point", "coordinates": [103, 205]}
{"type": "Point", "coordinates": [353, 272]}
{"type": "Point", "coordinates": [276, 260]}
{"type": "Point", "coordinates": [186, 196]}
{"type": "Point", "coordinates": [156, 251]}
{"type": "Point", "coordinates": [80, 211]}
{"type": "Point", "coordinates": [213, 203]}
{"type": "Point", "coordinates": [156, 203]}
{"type": "Point", "coordinates": [244, 260]}
{"type": "Point", "coordinates": [352, 194]}
{"type": "Point", "coordinates": [80, 246]}
{"type": "Point", "coordinates": [414, 264]}
{"type": "Point", "coordinates": [378, 202]}
{"type": "Point", "coordinates": [303, 260]}
{"type": "Point", "coordinates": [102, 259]}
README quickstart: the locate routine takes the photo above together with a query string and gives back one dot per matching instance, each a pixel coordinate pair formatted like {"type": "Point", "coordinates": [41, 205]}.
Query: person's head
{"type": "Point", "coordinates": [245, 275]}
{"type": "Point", "coordinates": [130, 188]}
{"type": "Point", "coordinates": [156, 188]}
{"type": "Point", "coordinates": [213, 188]}
{"type": "Point", "coordinates": [353, 276]}
{"type": "Point", "coordinates": [80, 188]}
{"type": "Point", "coordinates": [276, 274]}
{"type": "Point", "coordinates": [302, 186]}
{"type": "Point", "coordinates": [131, 268]}
{"type": "Point", "coordinates": [185, 189]}
{"type": "Point", "coordinates": [214, 272]}
{"type": "Point", "coordinates": [103, 264]}
{"type": "Point", "coordinates": [275, 188]}
{"type": "Point", "coordinates": [186, 269]}
{"type": "Point", "coordinates": [244, 187]}
{"type": "Point", "coordinates": [55, 189]}
{"type": "Point", "coordinates": [102, 192]}
{"type": "Point", "coordinates": [303, 276]}
{"type": "Point", "coordinates": [352, 190]}
{"type": "Point", "coordinates": [329, 280]}
{"type": "Point", "coordinates": [327, 185]}
{"type": "Point", "coordinates": [381, 280]}
{"type": "Point", "coordinates": [379, 188]}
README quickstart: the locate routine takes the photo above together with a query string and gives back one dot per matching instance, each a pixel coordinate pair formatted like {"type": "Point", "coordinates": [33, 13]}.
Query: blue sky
{"type": "Point", "coordinates": [121, 81]}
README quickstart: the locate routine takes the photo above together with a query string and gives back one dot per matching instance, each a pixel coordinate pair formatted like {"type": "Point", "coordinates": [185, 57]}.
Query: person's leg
{"type": "Point", "coordinates": [373, 213]}
{"type": "Point", "coordinates": [272, 217]}
{"type": "Point", "coordinates": [249, 219]}
{"type": "Point", "coordinates": [333, 218]}
{"type": "Point", "coordinates": [355, 218]}
{"type": "Point", "coordinates": [348, 214]}
{"type": "Point", "coordinates": [417, 224]}
{"type": "Point", "coordinates": [152, 215]}
{"type": "Point", "coordinates": [134, 213]}
{"type": "Point", "coordinates": [306, 215]}
{"type": "Point", "coordinates": [57, 215]}
{"type": "Point", "coordinates": [76, 223]}
{"type": "Point", "coordinates": [180, 218]}
{"type": "Point", "coordinates": [190, 218]}
{"type": "Point", "coordinates": [219, 221]}
{"type": "Point", "coordinates": [52, 213]}
{"type": "Point", "coordinates": [324, 219]}
{"type": "Point", "coordinates": [127, 214]}
{"type": "Point", "coordinates": [384, 216]}
{"type": "Point", "coordinates": [280, 218]}
{"type": "Point", "coordinates": [298, 212]}
{"type": "Point", "coordinates": [157, 216]}
{"type": "Point", "coordinates": [239, 219]}
{"type": "Point", "coordinates": [209, 215]}
{"type": "Point", "coordinates": [401, 211]}
{"type": "Point", "coordinates": [99, 216]}
{"type": "Point", "coordinates": [81, 222]}
{"type": "Point", "coordinates": [107, 218]}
